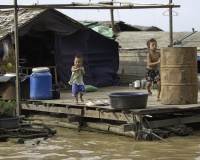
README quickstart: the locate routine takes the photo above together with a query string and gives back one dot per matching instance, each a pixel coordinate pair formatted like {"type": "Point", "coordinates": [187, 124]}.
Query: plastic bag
{"type": "Point", "coordinates": [5, 48]}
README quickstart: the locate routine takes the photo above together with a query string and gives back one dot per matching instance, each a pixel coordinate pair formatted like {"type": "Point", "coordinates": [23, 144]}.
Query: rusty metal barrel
{"type": "Point", "coordinates": [178, 69]}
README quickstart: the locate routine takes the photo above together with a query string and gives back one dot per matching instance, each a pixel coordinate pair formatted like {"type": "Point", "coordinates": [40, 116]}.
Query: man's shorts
{"type": "Point", "coordinates": [76, 89]}
{"type": "Point", "coordinates": [152, 75]}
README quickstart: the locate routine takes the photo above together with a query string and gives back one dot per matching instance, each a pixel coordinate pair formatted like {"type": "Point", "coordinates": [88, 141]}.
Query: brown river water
{"type": "Point", "coordinates": [72, 145]}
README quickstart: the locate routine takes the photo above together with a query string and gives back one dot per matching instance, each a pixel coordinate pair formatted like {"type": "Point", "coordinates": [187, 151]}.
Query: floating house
{"type": "Point", "coordinates": [45, 34]}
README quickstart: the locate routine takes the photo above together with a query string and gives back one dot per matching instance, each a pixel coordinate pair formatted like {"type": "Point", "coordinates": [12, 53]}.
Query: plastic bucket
{"type": "Point", "coordinates": [41, 83]}
{"type": "Point", "coordinates": [128, 100]}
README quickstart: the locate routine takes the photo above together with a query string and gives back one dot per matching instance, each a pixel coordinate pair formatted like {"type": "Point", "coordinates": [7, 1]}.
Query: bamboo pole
{"type": "Point", "coordinates": [133, 3]}
{"type": "Point", "coordinates": [170, 25]}
{"type": "Point", "coordinates": [112, 18]}
{"type": "Point", "coordinates": [71, 6]}
{"type": "Point", "coordinates": [88, 4]}
{"type": "Point", "coordinates": [17, 83]}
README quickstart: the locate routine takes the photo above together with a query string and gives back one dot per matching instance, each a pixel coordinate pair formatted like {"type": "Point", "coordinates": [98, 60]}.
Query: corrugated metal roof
{"type": "Point", "coordinates": [25, 16]}
{"type": "Point", "coordinates": [137, 40]}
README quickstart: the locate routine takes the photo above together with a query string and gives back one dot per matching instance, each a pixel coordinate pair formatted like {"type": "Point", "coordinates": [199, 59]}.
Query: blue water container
{"type": "Point", "coordinates": [41, 83]}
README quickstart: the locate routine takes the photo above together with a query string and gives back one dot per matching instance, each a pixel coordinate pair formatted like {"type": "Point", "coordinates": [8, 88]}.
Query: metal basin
{"type": "Point", "coordinates": [128, 100]}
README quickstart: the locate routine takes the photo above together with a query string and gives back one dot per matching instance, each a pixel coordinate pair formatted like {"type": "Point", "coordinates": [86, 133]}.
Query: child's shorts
{"type": "Point", "coordinates": [76, 89]}
{"type": "Point", "coordinates": [152, 75]}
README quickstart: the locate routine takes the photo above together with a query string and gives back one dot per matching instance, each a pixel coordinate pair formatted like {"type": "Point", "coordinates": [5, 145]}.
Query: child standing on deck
{"type": "Point", "coordinates": [152, 73]}
{"type": "Point", "coordinates": [76, 79]}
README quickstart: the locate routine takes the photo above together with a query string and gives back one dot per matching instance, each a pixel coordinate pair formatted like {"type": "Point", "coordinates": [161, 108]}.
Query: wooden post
{"type": "Point", "coordinates": [17, 83]}
{"type": "Point", "coordinates": [112, 18]}
{"type": "Point", "coordinates": [170, 25]}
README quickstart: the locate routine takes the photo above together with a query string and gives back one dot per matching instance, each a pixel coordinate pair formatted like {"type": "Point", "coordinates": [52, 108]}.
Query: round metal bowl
{"type": "Point", "coordinates": [128, 100]}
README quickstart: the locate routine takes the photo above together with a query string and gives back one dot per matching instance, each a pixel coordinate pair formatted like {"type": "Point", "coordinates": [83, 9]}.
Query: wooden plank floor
{"type": "Point", "coordinates": [153, 106]}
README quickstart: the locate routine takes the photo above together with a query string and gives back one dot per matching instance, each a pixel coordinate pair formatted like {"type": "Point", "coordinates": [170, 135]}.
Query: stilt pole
{"type": "Point", "coordinates": [170, 25]}
{"type": "Point", "coordinates": [112, 18]}
{"type": "Point", "coordinates": [17, 83]}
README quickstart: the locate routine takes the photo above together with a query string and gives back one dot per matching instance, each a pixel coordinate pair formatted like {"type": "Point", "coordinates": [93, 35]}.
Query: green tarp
{"type": "Point", "coordinates": [105, 31]}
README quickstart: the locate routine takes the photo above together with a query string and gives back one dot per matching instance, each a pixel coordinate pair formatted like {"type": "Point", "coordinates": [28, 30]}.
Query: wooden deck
{"type": "Point", "coordinates": [155, 115]}
{"type": "Point", "coordinates": [66, 100]}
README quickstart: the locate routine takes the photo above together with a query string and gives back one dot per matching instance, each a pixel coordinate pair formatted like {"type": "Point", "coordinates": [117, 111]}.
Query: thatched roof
{"type": "Point", "coordinates": [26, 16]}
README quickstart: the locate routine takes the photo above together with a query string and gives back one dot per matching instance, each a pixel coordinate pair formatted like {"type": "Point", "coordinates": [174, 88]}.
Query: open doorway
{"type": "Point", "coordinates": [36, 49]}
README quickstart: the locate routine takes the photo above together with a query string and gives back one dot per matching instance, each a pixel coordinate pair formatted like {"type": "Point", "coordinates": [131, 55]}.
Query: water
{"type": "Point", "coordinates": [72, 145]}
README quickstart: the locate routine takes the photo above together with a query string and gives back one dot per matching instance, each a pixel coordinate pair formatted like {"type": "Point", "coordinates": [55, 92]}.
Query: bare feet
{"type": "Point", "coordinates": [158, 99]}
{"type": "Point", "coordinates": [81, 99]}
{"type": "Point", "coordinates": [76, 99]}
{"type": "Point", "coordinates": [75, 102]}
{"type": "Point", "coordinates": [149, 91]}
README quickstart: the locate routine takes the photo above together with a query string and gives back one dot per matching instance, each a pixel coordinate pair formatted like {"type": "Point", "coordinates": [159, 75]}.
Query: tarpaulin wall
{"type": "Point", "coordinates": [101, 57]}
{"type": "Point", "coordinates": [49, 21]}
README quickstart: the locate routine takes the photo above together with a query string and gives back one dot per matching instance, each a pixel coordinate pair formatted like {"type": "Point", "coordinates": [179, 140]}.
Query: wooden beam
{"type": "Point", "coordinates": [170, 25]}
{"type": "Point", "coordinates": [73, 119]}
{"type": "Point", "coordinates": [112, 18]}
{"type": "Point", "coordinates": [87, 4]}
{"type": "Point", "coordinates": [17, 83]}
{"type": "Point", "coordinates": [37, 103]}
{"type": "Point", "coordinates": [128, 127]}
{"type": "Point", "coordinates": [109, 128]}
{"type": "Point", "coordinates": [57, 124]}
{"type": "Point", "coordinates": [164, 123]}
{"type": "Point", "coordinates": [115, 116]}
{"type": "Point", "coordinates": [92, 113]}
{"type": "Point", "coordinates": [105, 115]}
{"type": "Point", "coordinates": [81, 112]}
{"type": "Point", "coordinates": [169, 108]}
{"type": "Point", "coordinates": [98, 126]}
{"type": "Point", "coordinates": [132, 3]}
{"type": "Point", "coordinates": [55, 109]}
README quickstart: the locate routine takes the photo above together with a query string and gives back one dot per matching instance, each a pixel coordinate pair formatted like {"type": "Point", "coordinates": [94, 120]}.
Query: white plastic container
{"type": "Point", "coordinates": [137, 84]}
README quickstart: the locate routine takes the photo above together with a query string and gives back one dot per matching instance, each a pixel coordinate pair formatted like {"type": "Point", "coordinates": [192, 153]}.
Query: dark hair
{"type": "Point", "coordinates": [149, 41]}
{"type": "Point", "coordinates": [79, 56]}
